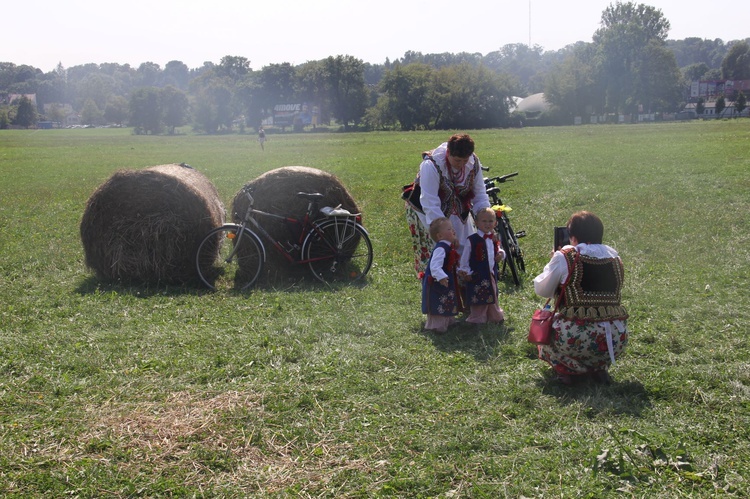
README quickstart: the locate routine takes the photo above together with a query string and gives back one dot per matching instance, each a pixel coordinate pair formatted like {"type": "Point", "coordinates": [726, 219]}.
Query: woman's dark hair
{"type": "Point", "coordinates": [586, 227]}
{"type": "Point", "coordinates": [460, 145]}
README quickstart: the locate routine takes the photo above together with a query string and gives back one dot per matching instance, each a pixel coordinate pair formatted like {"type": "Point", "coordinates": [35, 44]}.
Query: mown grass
{"type": "Point", "coordinates": [299, 390]}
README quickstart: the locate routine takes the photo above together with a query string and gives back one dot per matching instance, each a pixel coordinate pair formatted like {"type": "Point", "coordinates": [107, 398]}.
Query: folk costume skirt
{"type": "Point", "coordinates": [583, 348]}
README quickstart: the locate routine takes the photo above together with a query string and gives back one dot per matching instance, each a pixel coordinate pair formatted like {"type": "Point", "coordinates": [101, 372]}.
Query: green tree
{"type": "Point", "coordinates": [469, 96]}
{"type": "Point", "coordinates": [626, 31]}
{"type": "Point", "coordinates": [247, 94]}
{"type": "Point", "coordinates": [408, 95]}
{"type": "Point", "coordinates": [177, 74]}
{"type": "Point", "coordinates": [694, 72]}
{"type": "Point", "coordinates": [695, 50]}
{"type": "Point", "coordinates": [96, 87]}
{"type": "Point", "coordinates": [712, 74]}
{"type": "Point", "coordinates": [721, 104]}
{"type": "Point", "coordinates": [700, 106]}
{"type": "Point", "coordinates": [260, 91]}
{"type": "Point", "coordinates": [311, 86]}
{"type": "Point", "coordinates": [91, 114]}
{"type": "Point", "coordinates": [174, 107]}
{"type": "Point", "coordinates": [573, 86]}
{"type": "Point", "coordinates": [56, 113]}
{"type": "Point", "coordinates": [736, 64]}
{"type": "Point", "coordinates": [4, 118]}
{"type": "Point", "coordinates": [345, 83]}
{"type": "Point", "coordinates": [52, 87]}
{"type": "Point", "coordinates": [26, 114]}
{"type": "Point", "coordinates": [657, 86]}
{"type": "Point", "coordinates": [381, 116]}
{"type": "Point", "coordinates": [215, 101]}
{"type": "Point", "coordinates": [232, 67]}
{"type": "Point", "coordinates": [212, 109]}
{"type": "Point", "coordinates": [148, 74]}
{"type": "Point", "coordinates": [740, 103]}
{"type": "Point", "coordinates": [277, 83]}
{"type": "Point", "coordinates": [21, 79]}
{"type": "Point", "coordinates": [524, 63]}
{"type": "Point", "coordinates": [116, 110]}
{"type": "Point", "coordinates": [145, 110]}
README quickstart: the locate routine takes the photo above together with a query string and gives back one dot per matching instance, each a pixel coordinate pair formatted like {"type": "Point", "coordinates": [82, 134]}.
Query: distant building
{"type": "Point", "coordinates": [711, 89]}
{"type": "Point", "coordinates": [709, 110]}
{"type": "Point", "coordinates": [16, 97]}
{"type": "Point", "coordinates": [533, 105]}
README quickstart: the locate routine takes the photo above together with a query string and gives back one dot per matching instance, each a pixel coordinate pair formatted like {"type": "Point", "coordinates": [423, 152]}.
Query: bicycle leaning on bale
{"type": "Point", "coordinates": [508, 237]}
{"type": "Point", "coordinates": [332, 242]}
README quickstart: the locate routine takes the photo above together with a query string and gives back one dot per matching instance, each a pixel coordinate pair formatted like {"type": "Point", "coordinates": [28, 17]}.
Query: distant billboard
{"type": "Point", "coordinates": [295, 114]}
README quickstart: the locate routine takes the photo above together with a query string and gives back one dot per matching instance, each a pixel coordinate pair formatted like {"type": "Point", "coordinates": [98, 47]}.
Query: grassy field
{"type": "Point", "coordinates": [297, 390]}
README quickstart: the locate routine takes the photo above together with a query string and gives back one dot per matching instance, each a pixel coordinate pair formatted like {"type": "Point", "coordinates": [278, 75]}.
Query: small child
{"type": "Point", "coordinates": [479, 270]}
{"type": "Point", "coordinates": [441, 299]}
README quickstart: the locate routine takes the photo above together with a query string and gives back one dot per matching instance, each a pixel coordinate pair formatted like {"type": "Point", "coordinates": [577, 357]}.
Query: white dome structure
{"type": "Point", "coordinates": [533, 104]}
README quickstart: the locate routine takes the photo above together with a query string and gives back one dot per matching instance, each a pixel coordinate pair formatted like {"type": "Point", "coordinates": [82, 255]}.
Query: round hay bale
{"type": "Point", "coordinates": [276, 192]}
{"type": "Point", "coordinates": [145, 225]}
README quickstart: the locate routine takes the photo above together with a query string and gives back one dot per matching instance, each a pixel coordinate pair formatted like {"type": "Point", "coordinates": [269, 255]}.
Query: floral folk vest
{"type": "Point", "coordinates": [456, 199]}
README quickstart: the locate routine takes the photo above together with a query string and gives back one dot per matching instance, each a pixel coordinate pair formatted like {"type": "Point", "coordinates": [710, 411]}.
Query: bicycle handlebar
{"type": "Point", "coordinates": [500, 179]}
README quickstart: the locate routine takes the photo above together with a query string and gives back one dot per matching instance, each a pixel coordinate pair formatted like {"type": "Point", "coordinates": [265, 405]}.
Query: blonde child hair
{"type": "Point", "coordinates": [435, 227]}
{"type": "Point", "coordinates": [486, 209]}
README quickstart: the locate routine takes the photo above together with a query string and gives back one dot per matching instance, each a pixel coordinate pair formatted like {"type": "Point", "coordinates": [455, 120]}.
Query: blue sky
{"type": "Point", "coordinates": [76, 32]}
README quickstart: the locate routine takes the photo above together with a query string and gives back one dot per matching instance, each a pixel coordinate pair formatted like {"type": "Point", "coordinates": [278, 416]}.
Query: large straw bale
{"type": "Point", "coordinates": [276, 192]}
{"type": "Point", "coordinates": [144, 226]}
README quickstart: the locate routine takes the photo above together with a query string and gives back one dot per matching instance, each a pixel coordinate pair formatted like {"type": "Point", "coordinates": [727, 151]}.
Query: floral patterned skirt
{"type": "Point", "coordinates": [582, 348]}
{"type": "Point", "coordinates": [420, 240]}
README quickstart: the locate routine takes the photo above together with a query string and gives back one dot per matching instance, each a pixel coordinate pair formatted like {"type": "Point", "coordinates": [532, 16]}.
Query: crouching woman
{"type": "Point", "coordinates": [590, 327]}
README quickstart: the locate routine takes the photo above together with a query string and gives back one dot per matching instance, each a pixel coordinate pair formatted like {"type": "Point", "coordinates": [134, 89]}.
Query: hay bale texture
{"type": "Point", "coordinates": [276, 192]}
{"type": "Point", "coordinates": [144, 226]}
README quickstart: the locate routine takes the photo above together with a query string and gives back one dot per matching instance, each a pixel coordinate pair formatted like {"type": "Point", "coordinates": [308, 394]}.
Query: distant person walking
{"type": "Point", "coordinates": [261, 137]}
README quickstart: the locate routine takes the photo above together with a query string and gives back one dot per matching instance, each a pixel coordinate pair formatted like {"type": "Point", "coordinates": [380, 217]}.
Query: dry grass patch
{"type": "Point", "coordinates": [219, 440]}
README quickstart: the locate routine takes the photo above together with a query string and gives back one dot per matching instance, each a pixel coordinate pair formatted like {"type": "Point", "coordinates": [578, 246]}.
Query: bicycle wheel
{"type": "Point", "coordinates": [338, 250]}
{"type": "Point", "coordinates": [515, 247]}
{"type": "Point", "coordinates": [508, 247]}
{"type": "Point", "coordinates": [519, 259]}
{"type": "Point", "coordinates": [230, 258]}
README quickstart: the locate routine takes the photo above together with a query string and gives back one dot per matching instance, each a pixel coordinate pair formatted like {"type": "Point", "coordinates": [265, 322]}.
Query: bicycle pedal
{"type": "Point", "coordinates": [521, 234]}
{"type": "Point", "coordinates": [290, 247]}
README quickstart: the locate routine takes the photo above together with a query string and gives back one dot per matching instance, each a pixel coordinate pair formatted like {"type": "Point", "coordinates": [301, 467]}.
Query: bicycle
{"type": "Point", "coordinates": [335, 246]}
{"type": "Point", "coordinates": [508, 237]}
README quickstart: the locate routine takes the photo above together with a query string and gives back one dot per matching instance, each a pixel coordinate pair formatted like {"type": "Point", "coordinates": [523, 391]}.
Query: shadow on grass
{"type": "Point", "coordinates": [289, 282]}
{"type": "Point", "coordinates": [94, 285]}
{"type": "Point", "coordinates": [480, 341]}
{"type": "Point", "coordinates": [507, 287]}
{"type": "Point", "coordinates": [619, 397]}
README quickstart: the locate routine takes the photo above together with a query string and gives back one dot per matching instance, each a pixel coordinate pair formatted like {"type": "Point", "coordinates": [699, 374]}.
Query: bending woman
{"type": "Point", "coordinates": [590, 327]}
{"type": "Point", "coordinates": [451, 182]}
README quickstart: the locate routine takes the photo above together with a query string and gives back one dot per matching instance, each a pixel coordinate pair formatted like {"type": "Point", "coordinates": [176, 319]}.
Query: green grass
{"type": "Point", "coordinates": [297, 390]}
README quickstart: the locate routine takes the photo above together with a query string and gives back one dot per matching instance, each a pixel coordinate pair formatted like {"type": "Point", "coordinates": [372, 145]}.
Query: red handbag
{"type": "Point", "coordinates": [540, 330]}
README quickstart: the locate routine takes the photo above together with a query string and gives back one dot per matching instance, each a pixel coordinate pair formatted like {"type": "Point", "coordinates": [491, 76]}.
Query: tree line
{"type": "Point", "coordinates": [628, 67]}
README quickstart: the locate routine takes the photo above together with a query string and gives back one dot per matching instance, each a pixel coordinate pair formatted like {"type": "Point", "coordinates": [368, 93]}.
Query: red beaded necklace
{"type": "Point", "coordinates": [456, 177]}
